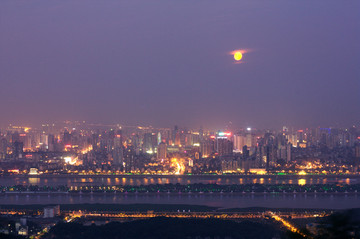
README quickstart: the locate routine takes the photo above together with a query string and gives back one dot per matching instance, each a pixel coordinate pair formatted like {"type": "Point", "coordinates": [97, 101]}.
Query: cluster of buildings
{"type": "Point", "coordinates": [28, 223]}
{"type": "Point", "coordinates": [79, 147]}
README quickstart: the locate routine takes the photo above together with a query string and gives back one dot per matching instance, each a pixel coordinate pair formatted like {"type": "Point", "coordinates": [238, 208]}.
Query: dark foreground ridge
{"type": "Point", "coordinates": [166, 228]}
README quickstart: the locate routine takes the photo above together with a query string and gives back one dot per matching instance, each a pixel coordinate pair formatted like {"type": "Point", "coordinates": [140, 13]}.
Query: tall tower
{"type": "Point", "coordinates": [158, 138]}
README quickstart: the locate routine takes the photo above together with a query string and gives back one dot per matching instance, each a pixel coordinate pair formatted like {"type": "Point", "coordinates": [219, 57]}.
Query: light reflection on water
{"type": "Point", "coordinates": [34, 181]}
{"type": "Point", "coordinates": [301, 181]}
{"type": "Point", "coordinates": [347, 181]}
{"type": "Point", "coordinates": [137, 180]}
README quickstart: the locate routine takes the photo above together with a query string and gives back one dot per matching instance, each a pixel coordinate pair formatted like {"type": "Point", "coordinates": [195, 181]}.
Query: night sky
{"type": "Point", "coordinates": [167, 62]}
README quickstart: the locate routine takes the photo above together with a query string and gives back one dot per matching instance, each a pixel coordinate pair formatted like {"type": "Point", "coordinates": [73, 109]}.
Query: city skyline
{"type": "Point", "coordinates": [72, 125]}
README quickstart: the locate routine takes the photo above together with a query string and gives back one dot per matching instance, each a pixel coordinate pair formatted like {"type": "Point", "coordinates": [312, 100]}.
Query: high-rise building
{"type": "Point", "coordinates": [292, 138]}
{"type": "Point", "coordinates": [117, 152]}
{"type": "Point", "coordinates": [189, 141]}
{"type": "Point", "coordinates": [239, 142]}
{"type": "Point", "coordinates": [224, 147]}
{"type": "Point", "coordinates": [284, 152]}
{"type": "Point", "coordinates": [67, 138]}
{"type": "Point", "coordinates": [229, 165]}
{"type": "Point", "coordinates": [206, 148]}
{"type": "Point", "coordinates": [18, 150]}
{"type": "Point", "coordinates": [44, 141]}
{"type": "Point", "coordinates": [3, 148]}
{"type": "Point", "coordinates": [201, 134]}
{"type": "Point", "coordinates": [249, 140]}
{"type": "Point", "coordinates": [158, 138]}
{"type": "Point", "coordinates": [148, 145]}
{"type": "Point", "coordinates": [177, 139]}
{"type": "Point", "coordinates": [288, 152]}
{"type": "Point", "coordinates": [357, 151]}
{"type": "Point", "coordinates": [131, 160]}
{"type": "Point", "coordinates": [162, 151]}
{"type": "Point", "coordinates": [245, 163]}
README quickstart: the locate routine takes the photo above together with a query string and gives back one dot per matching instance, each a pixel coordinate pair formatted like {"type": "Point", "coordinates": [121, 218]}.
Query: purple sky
{"type": "Point", "coordinates": [167, 62]}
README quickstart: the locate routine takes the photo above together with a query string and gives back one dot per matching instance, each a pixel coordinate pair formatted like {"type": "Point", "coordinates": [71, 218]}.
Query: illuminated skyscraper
{"type": "Point", "coordinates": [148, 142]}
{"type": "Point", "coordinates": [206, 148]}
{"type": "Point", "coordinates": [239, 142]}
{"type": "Point", "coordinates": [249, 140]}
{"type": "Point", "coordinates": [158, 138]}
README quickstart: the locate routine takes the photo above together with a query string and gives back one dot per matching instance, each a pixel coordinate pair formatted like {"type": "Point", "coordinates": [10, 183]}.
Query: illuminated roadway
{"type": "Point", "coordinates": [180, 214]}
{"type": "Point", "coordinates": [218, 215]}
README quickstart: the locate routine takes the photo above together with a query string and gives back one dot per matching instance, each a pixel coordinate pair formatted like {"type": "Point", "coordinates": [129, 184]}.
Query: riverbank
{"type": "Point", "coordinates": [351, 176]}
{"type": "Point", "coordinates": [199, 188]}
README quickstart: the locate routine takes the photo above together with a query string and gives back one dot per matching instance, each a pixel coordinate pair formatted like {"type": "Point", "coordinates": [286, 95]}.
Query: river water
{"type": "Point", "coordinates": [236, 200]}
{"type": "Point", "coordinates": [226, 200]}
{"type": "Point", "coordinates": [147, 180]}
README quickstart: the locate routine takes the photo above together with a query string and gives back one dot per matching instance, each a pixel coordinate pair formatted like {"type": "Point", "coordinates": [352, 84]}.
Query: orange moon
{"type": "Point", "coordinates": [238, 56]}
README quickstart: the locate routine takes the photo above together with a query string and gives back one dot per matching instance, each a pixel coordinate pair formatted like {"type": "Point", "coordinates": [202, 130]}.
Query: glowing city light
{"type": "Point", "coordinates": [71, 160]}
{"type": "Point", "coordinates": [302, 172]}
{"type": "Point", "coordinates": [224, 133]}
